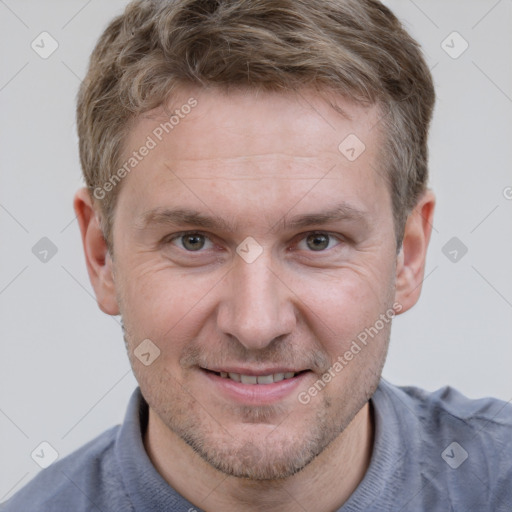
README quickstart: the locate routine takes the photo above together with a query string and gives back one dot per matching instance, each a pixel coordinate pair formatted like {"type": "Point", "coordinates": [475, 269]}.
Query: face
{"type": "Point", "coordinates": [252, 252]}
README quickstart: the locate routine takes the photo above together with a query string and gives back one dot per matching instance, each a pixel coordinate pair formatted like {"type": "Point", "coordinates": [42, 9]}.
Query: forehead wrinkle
{"type": "Point", "coordinates": [281, 167]}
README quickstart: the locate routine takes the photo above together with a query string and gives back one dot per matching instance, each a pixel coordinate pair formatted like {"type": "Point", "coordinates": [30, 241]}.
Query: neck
{"type": "Point", "coordinates": [323, 485]}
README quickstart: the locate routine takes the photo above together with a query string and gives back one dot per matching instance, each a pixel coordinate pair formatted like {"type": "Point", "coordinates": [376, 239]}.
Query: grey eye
{"type": "Point", "coordinates": [193, 242]}
{"type": "Point", "coordinates": [317, 241]}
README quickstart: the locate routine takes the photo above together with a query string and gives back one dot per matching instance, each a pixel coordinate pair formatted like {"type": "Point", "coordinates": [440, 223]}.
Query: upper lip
{"type": "Point", "coordinates": [253, 371]}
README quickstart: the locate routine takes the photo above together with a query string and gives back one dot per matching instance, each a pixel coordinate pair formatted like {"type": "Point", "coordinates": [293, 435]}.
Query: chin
{"type": "Point", "coordinates": [257, 462]}
{"type": "Point", "coordinates": [262, 451]}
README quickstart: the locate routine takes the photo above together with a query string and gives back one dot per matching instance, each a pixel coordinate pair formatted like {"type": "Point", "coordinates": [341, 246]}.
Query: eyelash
{"type": "Point", "coordinates": [303, 237]}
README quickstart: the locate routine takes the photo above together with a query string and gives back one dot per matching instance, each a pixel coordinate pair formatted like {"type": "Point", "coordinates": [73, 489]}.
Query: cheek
{"type": "Point", "coordinates": [159, 302]}
{"type": "Point", "coordinates": [345, 301]}
{"type": "Point", "coordinates": [343, 310]}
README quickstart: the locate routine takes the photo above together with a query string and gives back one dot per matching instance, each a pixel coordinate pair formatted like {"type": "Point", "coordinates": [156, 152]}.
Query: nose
{"type": "Point", "coordinates": [257, 307]}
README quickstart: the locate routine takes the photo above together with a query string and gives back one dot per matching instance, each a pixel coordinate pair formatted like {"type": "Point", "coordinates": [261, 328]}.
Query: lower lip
{"type": "Point", "coordinates": [255, 394]}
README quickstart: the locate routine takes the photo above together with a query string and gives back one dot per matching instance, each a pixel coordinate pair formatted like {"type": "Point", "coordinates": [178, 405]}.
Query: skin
{"type": "Point", "coordinates": [257, 161]}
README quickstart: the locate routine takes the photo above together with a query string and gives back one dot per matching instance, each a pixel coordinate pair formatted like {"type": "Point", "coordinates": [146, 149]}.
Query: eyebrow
{"type": "Point", "coordinates": [189, 217]}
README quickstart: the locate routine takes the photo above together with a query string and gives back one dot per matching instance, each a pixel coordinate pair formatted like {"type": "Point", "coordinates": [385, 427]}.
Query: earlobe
{"type": "Point", "coordinates": [97, 256]}
{"type": "Point", "coordinates": [411, 259]}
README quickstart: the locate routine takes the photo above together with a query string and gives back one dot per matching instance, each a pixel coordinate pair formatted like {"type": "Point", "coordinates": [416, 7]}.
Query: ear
{"type": "Point", "coordinates": [97, 256]}
{"type": "Point", "coordinates": [411, 259]}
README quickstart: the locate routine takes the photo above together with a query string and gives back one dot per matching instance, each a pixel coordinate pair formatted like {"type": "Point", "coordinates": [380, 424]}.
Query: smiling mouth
{"type": "Point", "coordinates": [256, 379]}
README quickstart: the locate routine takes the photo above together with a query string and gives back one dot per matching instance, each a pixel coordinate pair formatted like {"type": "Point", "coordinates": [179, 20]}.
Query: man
{"type": "Point", "coordinates": [257, 211]}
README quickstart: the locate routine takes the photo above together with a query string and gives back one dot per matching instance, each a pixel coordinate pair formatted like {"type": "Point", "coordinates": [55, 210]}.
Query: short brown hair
{"type": "Point", "coordinates": [356, 48]}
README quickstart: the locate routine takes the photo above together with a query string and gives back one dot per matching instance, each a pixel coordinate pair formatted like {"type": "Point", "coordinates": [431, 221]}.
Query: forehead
{"type": "Point", "coordinates": [238, 149]}
{"type": "Point", "coordinates": [301, 123]}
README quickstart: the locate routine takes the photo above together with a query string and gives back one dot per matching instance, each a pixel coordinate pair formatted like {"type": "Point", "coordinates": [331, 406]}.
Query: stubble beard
{"type": "Point", "coordinates": [276, 455]}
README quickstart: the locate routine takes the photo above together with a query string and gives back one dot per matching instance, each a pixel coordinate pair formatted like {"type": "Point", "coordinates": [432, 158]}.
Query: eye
{"type": "Point", "coordinates": [319, 242]}
{"type": "Point", "coordinates": [192, 242]}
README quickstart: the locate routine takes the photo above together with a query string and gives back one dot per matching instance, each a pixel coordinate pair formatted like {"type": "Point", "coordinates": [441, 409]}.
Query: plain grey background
{"type": "Point", "coordinates": [64, 374]}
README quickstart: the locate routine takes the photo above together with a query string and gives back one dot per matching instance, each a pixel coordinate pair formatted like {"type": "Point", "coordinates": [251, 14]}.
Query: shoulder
{"type": "Point", "coordinates": [447, 407]}
{"type": "Point", "coordinates": [459, 445]}
{"type": "Point", "coordinates": [81, 481]}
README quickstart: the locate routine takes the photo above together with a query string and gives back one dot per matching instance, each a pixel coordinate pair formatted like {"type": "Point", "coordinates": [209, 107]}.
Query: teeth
{"type": "Point", "coordinates": [265, 379]}
{"type": "Point", "coordinates": [249, 379]}
{"type": "Point", "coordinates": [261, 379]}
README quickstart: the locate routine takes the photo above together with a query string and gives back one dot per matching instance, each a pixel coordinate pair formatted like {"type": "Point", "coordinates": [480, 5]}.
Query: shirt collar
{"type": "Point", "coordinates": [147, 490]}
